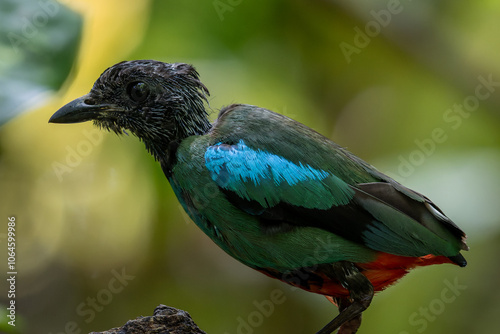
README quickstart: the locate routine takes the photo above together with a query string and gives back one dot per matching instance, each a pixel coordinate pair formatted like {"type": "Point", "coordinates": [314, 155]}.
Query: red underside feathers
{"type": "Point", "coordinates": [386, 270]}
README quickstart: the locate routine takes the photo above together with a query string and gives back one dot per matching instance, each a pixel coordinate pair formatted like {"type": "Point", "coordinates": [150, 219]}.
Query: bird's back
{"type": "Point", "coordinates": [268, 221]}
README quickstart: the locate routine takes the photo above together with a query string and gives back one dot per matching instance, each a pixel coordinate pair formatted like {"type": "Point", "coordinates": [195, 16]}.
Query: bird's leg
{"type": "Point", "coordinates": [350, 326]}
{"type": "Point", "coordinates": [360, 297]}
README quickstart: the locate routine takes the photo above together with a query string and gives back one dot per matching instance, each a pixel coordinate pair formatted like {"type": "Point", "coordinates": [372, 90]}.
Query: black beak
{"type": "Point", "coordinates": [78, 111]}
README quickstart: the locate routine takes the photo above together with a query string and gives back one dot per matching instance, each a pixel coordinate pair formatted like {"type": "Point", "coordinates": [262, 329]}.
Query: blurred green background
{"type": "Point", "coordinates": [410, 86]}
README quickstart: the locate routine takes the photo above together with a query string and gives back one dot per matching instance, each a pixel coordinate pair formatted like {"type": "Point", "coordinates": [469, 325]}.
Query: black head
{"type": "Point", "coordinates": [159, 103]}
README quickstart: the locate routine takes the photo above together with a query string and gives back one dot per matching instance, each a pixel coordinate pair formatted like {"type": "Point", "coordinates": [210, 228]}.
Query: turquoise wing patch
{"type": "Point", "coordinates": [269, 179]}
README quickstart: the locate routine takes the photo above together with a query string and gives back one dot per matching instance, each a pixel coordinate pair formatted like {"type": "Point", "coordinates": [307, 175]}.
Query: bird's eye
{"type": "Point", "coordinates": [138, 91]}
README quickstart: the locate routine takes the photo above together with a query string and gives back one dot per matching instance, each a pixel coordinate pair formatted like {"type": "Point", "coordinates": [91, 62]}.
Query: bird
{"type": "Point", "coordinates": [271, 192]}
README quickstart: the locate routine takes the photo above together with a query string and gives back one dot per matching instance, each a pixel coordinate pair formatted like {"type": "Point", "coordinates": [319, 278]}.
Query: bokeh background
{"type": "Point", "coordinates": [413, 87]}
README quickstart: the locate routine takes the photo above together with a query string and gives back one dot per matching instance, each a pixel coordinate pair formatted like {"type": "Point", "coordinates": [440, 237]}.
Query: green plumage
{"type": "Point", "coordinates": [271, 192]}
{"type": "Point", "coordinates": [240, 233]}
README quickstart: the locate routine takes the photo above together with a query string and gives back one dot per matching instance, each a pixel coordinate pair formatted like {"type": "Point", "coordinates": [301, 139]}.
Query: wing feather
{"type": "Point", "coordinates": [288, 194]}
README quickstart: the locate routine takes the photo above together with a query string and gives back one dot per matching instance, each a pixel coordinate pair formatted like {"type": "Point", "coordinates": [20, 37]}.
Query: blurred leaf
{"type": "Point", "coordinates": [38, 44]}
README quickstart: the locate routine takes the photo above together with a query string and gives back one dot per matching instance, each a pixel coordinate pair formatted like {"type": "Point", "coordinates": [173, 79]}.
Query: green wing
{"type": "Point", "coordinates": [293, 177]}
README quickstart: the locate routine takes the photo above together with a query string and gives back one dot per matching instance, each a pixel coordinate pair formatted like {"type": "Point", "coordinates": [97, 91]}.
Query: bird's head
{"type": "Point", "coordinates": [158, 102]}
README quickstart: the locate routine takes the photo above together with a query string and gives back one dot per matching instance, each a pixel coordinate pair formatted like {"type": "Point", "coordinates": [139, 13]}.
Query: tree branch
{"type": "Point", "coordinates": [164, 320]}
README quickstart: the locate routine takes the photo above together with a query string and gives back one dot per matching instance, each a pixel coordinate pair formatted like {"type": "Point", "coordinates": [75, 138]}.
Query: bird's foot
{"type": "Point", "coordinates": [351, 326]}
